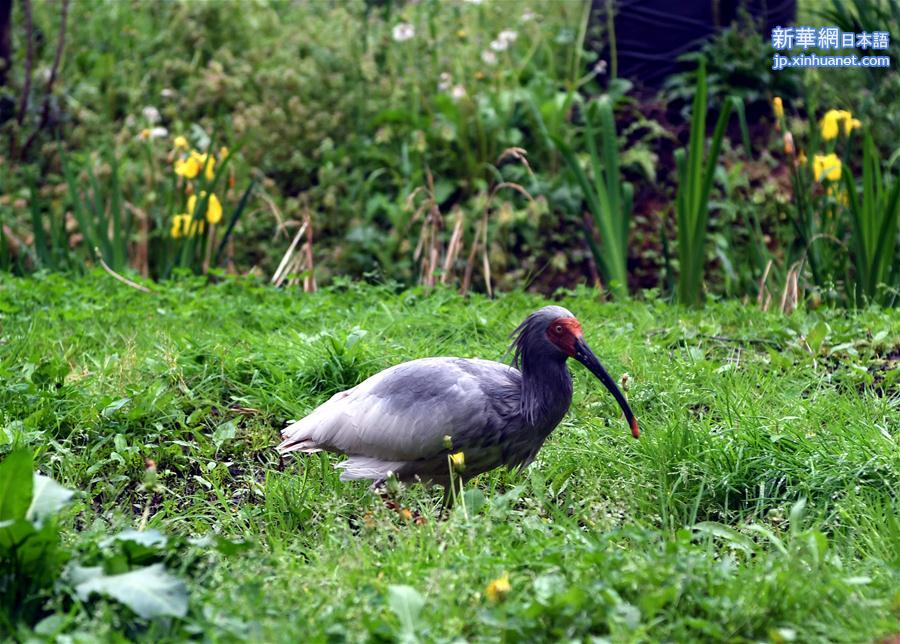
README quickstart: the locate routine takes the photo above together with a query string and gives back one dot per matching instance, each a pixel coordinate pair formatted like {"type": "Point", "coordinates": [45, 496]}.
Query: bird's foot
{"type": "Point", "coordinates": [405, 513]}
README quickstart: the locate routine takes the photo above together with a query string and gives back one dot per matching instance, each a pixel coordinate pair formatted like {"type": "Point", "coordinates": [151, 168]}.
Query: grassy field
{"type": "Point", "coordinates": [759, 504]}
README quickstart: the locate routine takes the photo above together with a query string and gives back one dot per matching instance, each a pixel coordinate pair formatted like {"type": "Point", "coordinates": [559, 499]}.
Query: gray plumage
{"type": "Point", "coordinates": [396, 422]}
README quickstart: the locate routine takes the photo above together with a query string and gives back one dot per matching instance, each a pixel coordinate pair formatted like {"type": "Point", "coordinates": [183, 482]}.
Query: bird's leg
{"type": "Point", "coordinates": [392, 504]}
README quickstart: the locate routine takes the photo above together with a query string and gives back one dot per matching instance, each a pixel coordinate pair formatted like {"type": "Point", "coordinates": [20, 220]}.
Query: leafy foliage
{"type": "Point", "coordinates": [166, 406]}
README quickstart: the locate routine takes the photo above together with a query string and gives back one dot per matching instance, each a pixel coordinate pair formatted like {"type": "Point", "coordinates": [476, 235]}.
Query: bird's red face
{"type": "Point", "coordinates": [564, 333]}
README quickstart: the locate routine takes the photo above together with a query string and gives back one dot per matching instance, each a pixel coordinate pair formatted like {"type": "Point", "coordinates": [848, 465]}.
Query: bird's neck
{"type": "Point", "coordinates": [546, 393]}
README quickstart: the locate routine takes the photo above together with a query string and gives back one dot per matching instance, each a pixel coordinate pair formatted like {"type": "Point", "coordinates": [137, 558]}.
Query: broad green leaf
{"type": "Point", "coordinates": [149, 592]}
{"type": "Point", "coordinates": [49, 498]}
{"type": "Point", "coordinates": [224, 433]}
{"type": "Point", "coordinates": [729, 534]}
{"type": "Point", "coordinates": [16, 485]}
{"type": "Point", "coordinates": [407, 603]}
{"type": "Point", "coordinates": [816, 336]}
{"type": "Point", "coordinates": [149, 538]}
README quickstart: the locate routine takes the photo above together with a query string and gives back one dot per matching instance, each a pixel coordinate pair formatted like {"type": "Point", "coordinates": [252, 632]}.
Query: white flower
{"type": "Point", "coordinates": [167, 93]}
{"type": "Point", "coordinates": [508, 36]}
{"type": "Point", "coordinates": [600, 67]}
{"type": "Point", "coordinates": [488, 57]}
{"type": "Point", "coordinates": [528, 16]}
{"type": "Point", "coordinates": [445, 81]}
{"type": "Point", "coordinates": [403, 32]}
{"type": "Point", "coordinates": [474, 1]}
{"type": "Point", "coordinates": [458, 92]}
{"type": "Point", "coordinates": [151, 114]}
{"type": "Point", "coordinates": [152, 133]}
{"type": "Point", "coordinates": [499, 45]}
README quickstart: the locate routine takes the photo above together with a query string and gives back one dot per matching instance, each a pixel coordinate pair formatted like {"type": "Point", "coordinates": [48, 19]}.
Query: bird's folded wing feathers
{"type": "Point", "coordinates": [404, 413]}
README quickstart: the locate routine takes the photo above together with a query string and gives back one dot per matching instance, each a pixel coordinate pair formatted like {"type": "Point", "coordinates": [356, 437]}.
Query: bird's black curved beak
{"type": "Point", "coordinates": [585, 356]}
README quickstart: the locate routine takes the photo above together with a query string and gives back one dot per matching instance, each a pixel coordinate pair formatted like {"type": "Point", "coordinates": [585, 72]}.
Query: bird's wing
{"type": "Point", "coordinates": [405, 412]}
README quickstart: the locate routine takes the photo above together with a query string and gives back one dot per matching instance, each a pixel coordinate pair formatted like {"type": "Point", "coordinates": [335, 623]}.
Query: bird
{"type": "Point", "coordinates": [407, 421]}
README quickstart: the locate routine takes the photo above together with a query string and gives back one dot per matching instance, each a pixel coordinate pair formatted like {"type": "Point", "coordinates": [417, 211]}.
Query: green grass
{"type": "Point", "coordinates": [696, 532]}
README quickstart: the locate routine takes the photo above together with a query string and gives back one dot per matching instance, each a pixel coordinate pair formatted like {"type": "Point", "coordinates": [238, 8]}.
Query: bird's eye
{"type": "Point", "coordinates": [559, 328]}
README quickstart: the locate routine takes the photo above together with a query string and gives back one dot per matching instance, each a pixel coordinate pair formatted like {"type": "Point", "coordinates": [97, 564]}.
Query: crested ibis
{"type": "Point", "coordinates": [406, 420]}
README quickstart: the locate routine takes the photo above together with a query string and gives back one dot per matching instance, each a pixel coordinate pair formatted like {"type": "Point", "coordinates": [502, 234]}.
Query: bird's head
{"type": "Point", "coordinates": [554, 333]}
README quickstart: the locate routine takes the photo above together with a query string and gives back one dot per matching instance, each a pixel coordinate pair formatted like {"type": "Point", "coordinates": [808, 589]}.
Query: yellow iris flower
{"type": "Point", "coordinates": [202, 161]}
{"type": "Point", "coordinates": [187, 168]}
{"type": "Point", "coordinates": [830, 124]}
{"type": "Point", "coordinates": [498, 589]}
{"type": "Point", "coordinates": [194, 163]}
{"type": "Point", "coordinates": [778, 107]}
{"type": "Point", "coordinates": [181, 143]}
{"type": "Point", "coordinates": [827, 167]}
{"type": "Point", "coordinates": [213, 207]}
{"type": "Point", "coordinates": [184, 226]}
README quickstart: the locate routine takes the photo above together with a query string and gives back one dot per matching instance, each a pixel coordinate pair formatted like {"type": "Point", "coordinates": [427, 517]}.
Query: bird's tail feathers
{"type": "Point", "coordinates": [297, 440]}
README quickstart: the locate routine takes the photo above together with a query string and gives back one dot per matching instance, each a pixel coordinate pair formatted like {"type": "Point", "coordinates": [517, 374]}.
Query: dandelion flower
{"type": "Point", "coordinates": [778, 107]}
{"type": "Point", "coordinates": [827, 167]}
{"type": "Point", "coordinates": [498, 589]}
{"type": "Point", "coordinates": [181, 143]}
{"type": "Point", "coordinates": [458, 461]}
{"type": "Point", "coordinates": [403, 32]}
{"type": "Point", "coordinates": [461, 34]}
{"type": "Point", "coordinates": [830, 124]}
{"type": "Point", "coordinates": [488, 57]}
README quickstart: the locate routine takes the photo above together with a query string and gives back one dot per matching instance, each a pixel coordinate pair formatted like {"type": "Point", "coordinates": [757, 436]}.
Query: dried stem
{"type": "Point", "coordinates": [124, 280]}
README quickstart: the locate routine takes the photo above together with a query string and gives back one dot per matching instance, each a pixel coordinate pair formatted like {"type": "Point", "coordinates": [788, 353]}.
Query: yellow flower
{"type": "Point", "coordinates": [498, 589]}
{"type": "Point", "coordinates": [831, 123]}
{"type": "Point", "coordinates": [184, 226]}
{"type": "Point", "coordinates": [145, 134]}
{"type": "Point", "coordinates": [838, 195]}
{"type": "Point", "coordinates": [778, 107]}
{"type": "Point", "coordinates": [213, 210]}
{"type": "Point", "coordinates": [213, 207]}
{"type": "Point", "coordinates": [179, 225]}
{"type": "Point", "coordinates": [827, 166]}
{"type": "Point", "coordinates": [188, 168]}
{"type": "Point", "coordinates": [458, 461]}
{"type": "Point", "coordinates": [181, 142]}
{"type": "Point", "coordinates": [461, 34]}
{"type": "Point", "coordinates": [223, 153]}
{"type": "Point", "coordinates": [201, 160]}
